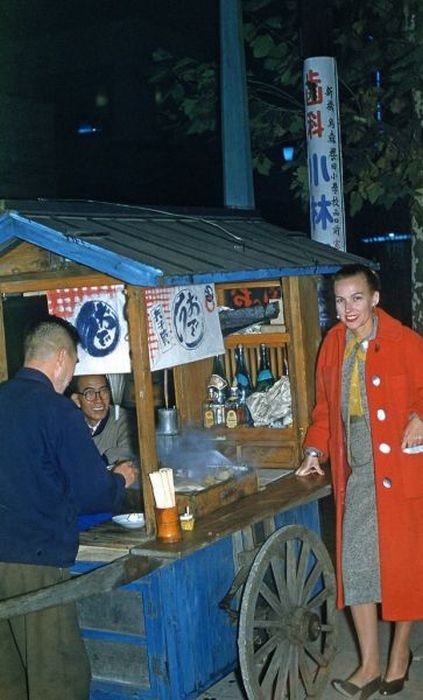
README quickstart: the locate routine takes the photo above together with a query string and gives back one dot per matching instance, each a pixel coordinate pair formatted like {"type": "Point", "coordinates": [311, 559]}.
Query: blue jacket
{"type": "Point", "coordinates": [50, 472]}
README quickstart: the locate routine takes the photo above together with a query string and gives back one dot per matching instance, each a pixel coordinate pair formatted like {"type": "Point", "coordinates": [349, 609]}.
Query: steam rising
{"type": "Point", "coordinates": [191, 452]}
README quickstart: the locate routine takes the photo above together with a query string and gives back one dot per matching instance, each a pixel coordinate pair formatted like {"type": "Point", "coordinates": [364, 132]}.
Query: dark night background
{"type": "Point", "coordinates": [70, 66]}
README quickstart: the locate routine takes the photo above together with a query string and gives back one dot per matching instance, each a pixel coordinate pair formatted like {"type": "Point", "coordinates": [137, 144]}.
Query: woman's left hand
{"type": "Point", "coordinates": [309, 465]}
{"type": "Point", "coordinates": [413, 433]}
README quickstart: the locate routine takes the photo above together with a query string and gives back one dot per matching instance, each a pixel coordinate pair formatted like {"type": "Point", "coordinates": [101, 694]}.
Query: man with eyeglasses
{"type": "Point", "coordinates": [114, 436]}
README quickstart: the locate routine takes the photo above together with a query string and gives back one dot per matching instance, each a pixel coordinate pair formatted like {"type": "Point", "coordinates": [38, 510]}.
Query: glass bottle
{"type": "Point", "coordinates": [208, 410]}
{"type": "Point", "coordinates": [232, 406]}
{"type": "Point", "coordinates": [265, 378]}
{"type": "Point", "coordinates": [219, 407]}
{"type": "Point", "coordinates": [218, 378]}
{"type": "Point", "coordinates": [242, 375]}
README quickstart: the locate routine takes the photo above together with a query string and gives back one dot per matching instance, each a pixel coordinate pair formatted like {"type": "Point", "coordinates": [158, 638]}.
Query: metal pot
{"type": "Point", "coordinates": [167, 421]}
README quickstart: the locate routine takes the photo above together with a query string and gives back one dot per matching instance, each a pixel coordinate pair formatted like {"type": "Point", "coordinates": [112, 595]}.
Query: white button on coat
{"type": "Point", "coordinates": [376, 380]}
{"type": "Point", "coordinates": [384, 448]}
{"type": "Point", "coordinates": [387, 483]}
{"type": "Point", "coordinates": [381, 414]}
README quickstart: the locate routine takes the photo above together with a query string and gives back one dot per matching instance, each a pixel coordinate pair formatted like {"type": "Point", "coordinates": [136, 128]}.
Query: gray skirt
{"type": "Point", "coordinates": [360, 548]}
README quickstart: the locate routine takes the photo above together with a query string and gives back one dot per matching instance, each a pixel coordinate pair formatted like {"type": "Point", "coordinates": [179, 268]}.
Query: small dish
{"type": "Point", "coordinates": [131, 521]}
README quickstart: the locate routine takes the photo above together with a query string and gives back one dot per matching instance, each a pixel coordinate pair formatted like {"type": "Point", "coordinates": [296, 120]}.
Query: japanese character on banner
{"type": "Point", "coordinates": [183, 325]}
{"type": "Point", "coordinates": [98, 314]}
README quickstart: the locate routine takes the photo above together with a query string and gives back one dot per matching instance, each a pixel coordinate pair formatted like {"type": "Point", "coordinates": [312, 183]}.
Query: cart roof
{"type": "Point", "coordinates": [150, 246]}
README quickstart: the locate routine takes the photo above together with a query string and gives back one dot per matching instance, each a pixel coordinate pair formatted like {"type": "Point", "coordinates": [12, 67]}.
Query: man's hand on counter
{"type": "Point", "coordinates": [128, 470]}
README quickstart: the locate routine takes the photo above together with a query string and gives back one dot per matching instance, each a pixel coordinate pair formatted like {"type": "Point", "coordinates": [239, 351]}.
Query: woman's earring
{"type": "Point", "coordinates": [338, 316]}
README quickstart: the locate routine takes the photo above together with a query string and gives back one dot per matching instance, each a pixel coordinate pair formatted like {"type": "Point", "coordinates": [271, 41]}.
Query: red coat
{"type": "Point", "coordinates": [394, 381]}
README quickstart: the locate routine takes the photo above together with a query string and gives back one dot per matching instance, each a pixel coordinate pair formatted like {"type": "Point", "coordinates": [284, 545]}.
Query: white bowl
{"type": "Point", "coordinates": [132, 521]}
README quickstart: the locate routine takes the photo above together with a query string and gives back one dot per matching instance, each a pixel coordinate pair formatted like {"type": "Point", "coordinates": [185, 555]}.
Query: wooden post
{"type": "Point", "coordinates": [3, 355]}
{"type": "Point", "coordinates": [302, 316]}
{"type": "Point", "coordinates": [191, 390]}
{"type": "Point", "coordinates": [236, 146]}
{"type": "Point", "coordinates": [144, 398]}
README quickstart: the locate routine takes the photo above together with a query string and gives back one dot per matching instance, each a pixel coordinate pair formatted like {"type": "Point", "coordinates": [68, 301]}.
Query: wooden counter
{"type": "Point", "coordinates": [278, 497]}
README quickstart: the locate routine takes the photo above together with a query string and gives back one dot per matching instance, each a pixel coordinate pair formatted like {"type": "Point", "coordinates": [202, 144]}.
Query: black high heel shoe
{"type": "Point", "coordinates": [395, 686]}
{"type": "Point", "coordinates": [350, 690]}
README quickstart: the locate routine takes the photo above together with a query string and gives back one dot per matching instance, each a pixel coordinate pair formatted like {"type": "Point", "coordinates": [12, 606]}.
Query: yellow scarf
{"type": "Point", "coordinates": [355, 402]}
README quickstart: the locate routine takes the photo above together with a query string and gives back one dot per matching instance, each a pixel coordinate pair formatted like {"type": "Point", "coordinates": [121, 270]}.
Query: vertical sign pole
{"type": "Point", "coordinates": [327, 214]}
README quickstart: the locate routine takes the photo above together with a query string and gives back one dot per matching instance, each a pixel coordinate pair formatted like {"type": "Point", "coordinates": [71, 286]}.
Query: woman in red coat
{"type": "Point", "coordinates": [368, 414]}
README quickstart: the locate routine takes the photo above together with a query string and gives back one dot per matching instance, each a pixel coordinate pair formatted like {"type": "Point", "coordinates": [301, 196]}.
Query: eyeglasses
{"type": "Point", "coordinates": [91, 394]}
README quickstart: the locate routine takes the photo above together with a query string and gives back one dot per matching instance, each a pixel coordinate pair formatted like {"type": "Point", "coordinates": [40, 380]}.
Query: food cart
{"type": "Point", "coordinates": [168, 630]}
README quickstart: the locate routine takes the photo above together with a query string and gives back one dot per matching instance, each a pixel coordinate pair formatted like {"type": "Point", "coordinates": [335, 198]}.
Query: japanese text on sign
{"type": "Point", "coordinates": [327, 219]}
{"type": "Point", "coordinates": [98, 314]}
{"type": "Point", "coordinates": [183, 325]}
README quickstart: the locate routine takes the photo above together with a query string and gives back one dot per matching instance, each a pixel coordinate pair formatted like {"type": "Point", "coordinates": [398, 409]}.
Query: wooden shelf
{"type": "Point", "coordinates": [250, 340]}
{"type": "Point", "coordinates": [276, 343]}
{"type": "Point", "coordinates": [252, 434]}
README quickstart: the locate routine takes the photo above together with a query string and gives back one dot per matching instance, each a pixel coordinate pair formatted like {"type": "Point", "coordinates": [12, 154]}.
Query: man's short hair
{"type": "Point", "coordinates": [48, 336]}
{"type": "Point", "coordinates": [74, 385]}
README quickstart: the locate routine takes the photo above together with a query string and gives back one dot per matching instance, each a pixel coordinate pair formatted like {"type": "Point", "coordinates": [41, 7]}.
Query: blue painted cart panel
{"type": "Point", "coordinates": [164, 637]}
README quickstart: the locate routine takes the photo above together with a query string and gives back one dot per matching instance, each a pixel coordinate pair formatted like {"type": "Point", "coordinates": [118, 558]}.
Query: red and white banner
{"type": "Point", "coordinates": [183, 325]}
{"type": "Point", "coordinates": [327, 214]}
{"type": "Point", "coordinates": [98, 315]}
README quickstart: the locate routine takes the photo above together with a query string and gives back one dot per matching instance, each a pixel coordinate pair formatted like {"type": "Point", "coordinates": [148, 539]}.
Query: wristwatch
{"type": "Point", "coordinates": [312, 452]}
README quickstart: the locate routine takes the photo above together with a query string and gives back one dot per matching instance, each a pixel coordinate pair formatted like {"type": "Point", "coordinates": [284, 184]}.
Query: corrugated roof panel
{"type": "Point", "coordinates": [166, 245]}
{"type": "Point", "coordinates": [141, 245]}
{"type": "Point", "coordinates": [13, 226]}
{"type": "Point", "coordinates": [179, 246]}
{"type": "Point", "coordinates": [175, 245]}
{"type": "Point", "coordinates": [188, 245]}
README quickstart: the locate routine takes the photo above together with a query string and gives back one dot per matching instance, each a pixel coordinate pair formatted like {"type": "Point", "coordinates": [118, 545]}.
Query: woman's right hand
{"type": "Point", "coordinates": [309, 465]}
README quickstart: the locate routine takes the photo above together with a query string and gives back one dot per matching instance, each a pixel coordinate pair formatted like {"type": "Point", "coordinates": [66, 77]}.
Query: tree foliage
{"type": "Point", "coordinates": [381, 157]}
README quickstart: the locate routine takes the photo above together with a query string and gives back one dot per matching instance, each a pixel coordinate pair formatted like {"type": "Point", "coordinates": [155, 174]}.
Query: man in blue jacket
{"type": "Point", "coordinates": [50, 472]}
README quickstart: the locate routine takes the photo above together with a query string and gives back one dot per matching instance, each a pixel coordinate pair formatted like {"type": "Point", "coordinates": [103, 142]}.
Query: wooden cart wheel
{"type": "Point", "coordinates": [287, 629]}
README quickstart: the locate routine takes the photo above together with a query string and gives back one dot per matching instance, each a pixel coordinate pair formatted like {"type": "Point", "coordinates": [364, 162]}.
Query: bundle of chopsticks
{"type": "Point", "coordinates": [163, 487]}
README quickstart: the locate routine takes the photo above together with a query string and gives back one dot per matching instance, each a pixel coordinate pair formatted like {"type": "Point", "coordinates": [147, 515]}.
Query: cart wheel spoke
{"type": "Point", "coordinates": [268, 625]}
{"type": "Point", "coordinates": [311, 582]}
{"type": "Point", "coordinates": [294, 688]}
{"type": "Point", "coordinates": [287, 629]}
{"type": "Point", "coordinates": [302, 570]}
{"type": "Point", "coordinates": [271, 598]}
{"type": "Point", "coordinates": [272, 671]}
{"type": "Point", "coordinates": [316, 655]}
{"type": "Point", "coordinates": [318, 600]}
{"type": "Point", "coordinates": [291, 568]}
{"type": "Point", "coordinates": [266, 650]}
{"type": "Point", "coordinates": [280, 582]}
{"type": "Point", "coordinates": [306, 673]}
